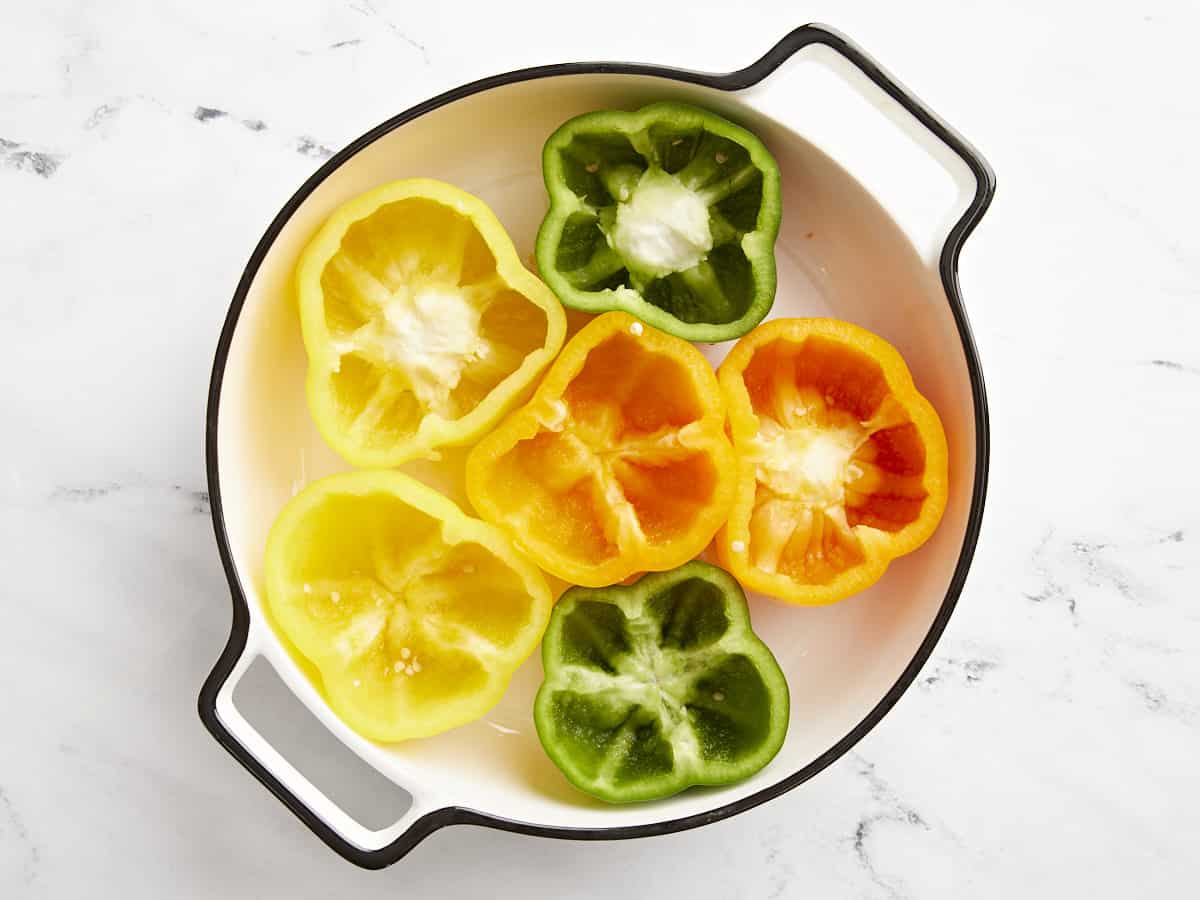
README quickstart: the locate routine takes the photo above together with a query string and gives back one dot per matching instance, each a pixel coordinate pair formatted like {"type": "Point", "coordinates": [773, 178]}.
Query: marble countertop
{"type": "Point", "coordinates": [1050, 746]}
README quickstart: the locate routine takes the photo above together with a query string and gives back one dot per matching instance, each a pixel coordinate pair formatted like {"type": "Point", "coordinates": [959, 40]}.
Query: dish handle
{"type": "Point", "coordinates": [372, 849]}
{"type": "Point", "coordinates": [927, 176]}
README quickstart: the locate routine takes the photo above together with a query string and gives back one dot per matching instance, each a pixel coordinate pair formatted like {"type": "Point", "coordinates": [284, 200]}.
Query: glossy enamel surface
{"type": "Point", "coordinates": [853, 659]}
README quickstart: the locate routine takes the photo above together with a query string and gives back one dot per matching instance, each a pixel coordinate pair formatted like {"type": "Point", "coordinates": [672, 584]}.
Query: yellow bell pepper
{"type": "Point", "coordinates": [842, 464]}
{"type": "Point", "coordinates": [421, 325]}
{"type": "Point", "coordinates": [619, 464]}
{"type": "Point", "coordinates": [414, 614]}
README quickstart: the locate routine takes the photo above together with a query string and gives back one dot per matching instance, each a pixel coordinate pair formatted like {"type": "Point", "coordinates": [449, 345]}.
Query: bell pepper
{"type": "Point", "coordinates": [421, 325]}
{"type": "Point", "coordinates": [619, 464]}
{"type": "Point", "coordinates": [669, 213]}
{"type": "Point", "coordinates": [657, 686]}
{"type": "Point", "coordinates": [842, 463]}
{"type": "Point", "coordinates": [414, 615]}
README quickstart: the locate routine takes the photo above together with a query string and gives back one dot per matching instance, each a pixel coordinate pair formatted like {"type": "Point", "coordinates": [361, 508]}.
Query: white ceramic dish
{"type": "Point", "coordinates": [879, 195]}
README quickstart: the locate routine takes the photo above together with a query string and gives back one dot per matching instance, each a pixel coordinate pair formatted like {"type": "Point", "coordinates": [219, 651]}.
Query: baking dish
{"type": "Point", "coordinates": [879, 196]}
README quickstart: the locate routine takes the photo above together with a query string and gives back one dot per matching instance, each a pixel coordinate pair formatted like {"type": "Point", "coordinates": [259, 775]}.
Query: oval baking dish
{"type": "Point", "coordinates": [879, 196]}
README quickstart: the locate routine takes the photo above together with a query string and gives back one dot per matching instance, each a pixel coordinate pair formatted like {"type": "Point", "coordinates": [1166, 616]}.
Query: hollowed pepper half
{"type": "Point", "coordinates": [656, 686]}
{"type": "Point", "coordinates": [414, 614]}
{"type": "Point", "coordinates": [842, 464]}
{"type": "Point", "coordinates": [421, 325]}
{"type": "Point", "coordinates": [618, 465]}
{"type": "Point", "coordinates": [669, 213]}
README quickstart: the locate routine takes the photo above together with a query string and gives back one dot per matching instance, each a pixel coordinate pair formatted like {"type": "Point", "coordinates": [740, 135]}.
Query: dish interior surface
{"type": "Point", "coordinates": [839, 254]}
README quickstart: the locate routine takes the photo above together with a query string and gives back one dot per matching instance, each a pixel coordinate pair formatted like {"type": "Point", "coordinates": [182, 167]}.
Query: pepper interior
{"type": "Point", "coordinates": [399, 622]}
{"type": "Point", "coordinates": [605, 171]}
{"type": "Point", "coordinates": [420, 320]}
{"type": "Point", "coordinates": [834, 451]}
{"type": "Point", "coordinates": [610, 468]}
{"type": "Point", "coordinates": [648, 695]}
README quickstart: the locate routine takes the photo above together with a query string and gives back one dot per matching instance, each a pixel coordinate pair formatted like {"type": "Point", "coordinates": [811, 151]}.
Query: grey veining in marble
{"type": "Point", "coordinates": [1048, 749]}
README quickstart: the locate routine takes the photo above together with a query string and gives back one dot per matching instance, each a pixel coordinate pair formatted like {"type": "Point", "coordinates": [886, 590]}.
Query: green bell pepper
{"type": "Point", "coordinates": [656, 686]}
{"type": "Point", "coordinates": [669, 213]}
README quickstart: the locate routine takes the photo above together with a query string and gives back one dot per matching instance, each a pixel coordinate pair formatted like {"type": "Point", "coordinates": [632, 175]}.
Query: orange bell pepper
{"type": "Point", "coordinates": [618, 465]}
{"type": "Point", "coordinates": [842, 464]}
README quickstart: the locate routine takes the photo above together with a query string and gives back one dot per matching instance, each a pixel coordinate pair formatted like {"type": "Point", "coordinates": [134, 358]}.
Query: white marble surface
{"type": "Point", "coordinates": [1050, 747]}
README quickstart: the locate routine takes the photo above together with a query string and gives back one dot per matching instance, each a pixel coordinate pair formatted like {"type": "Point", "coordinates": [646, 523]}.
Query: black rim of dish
{"type": "Point", "coordinates": [948, 266]}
